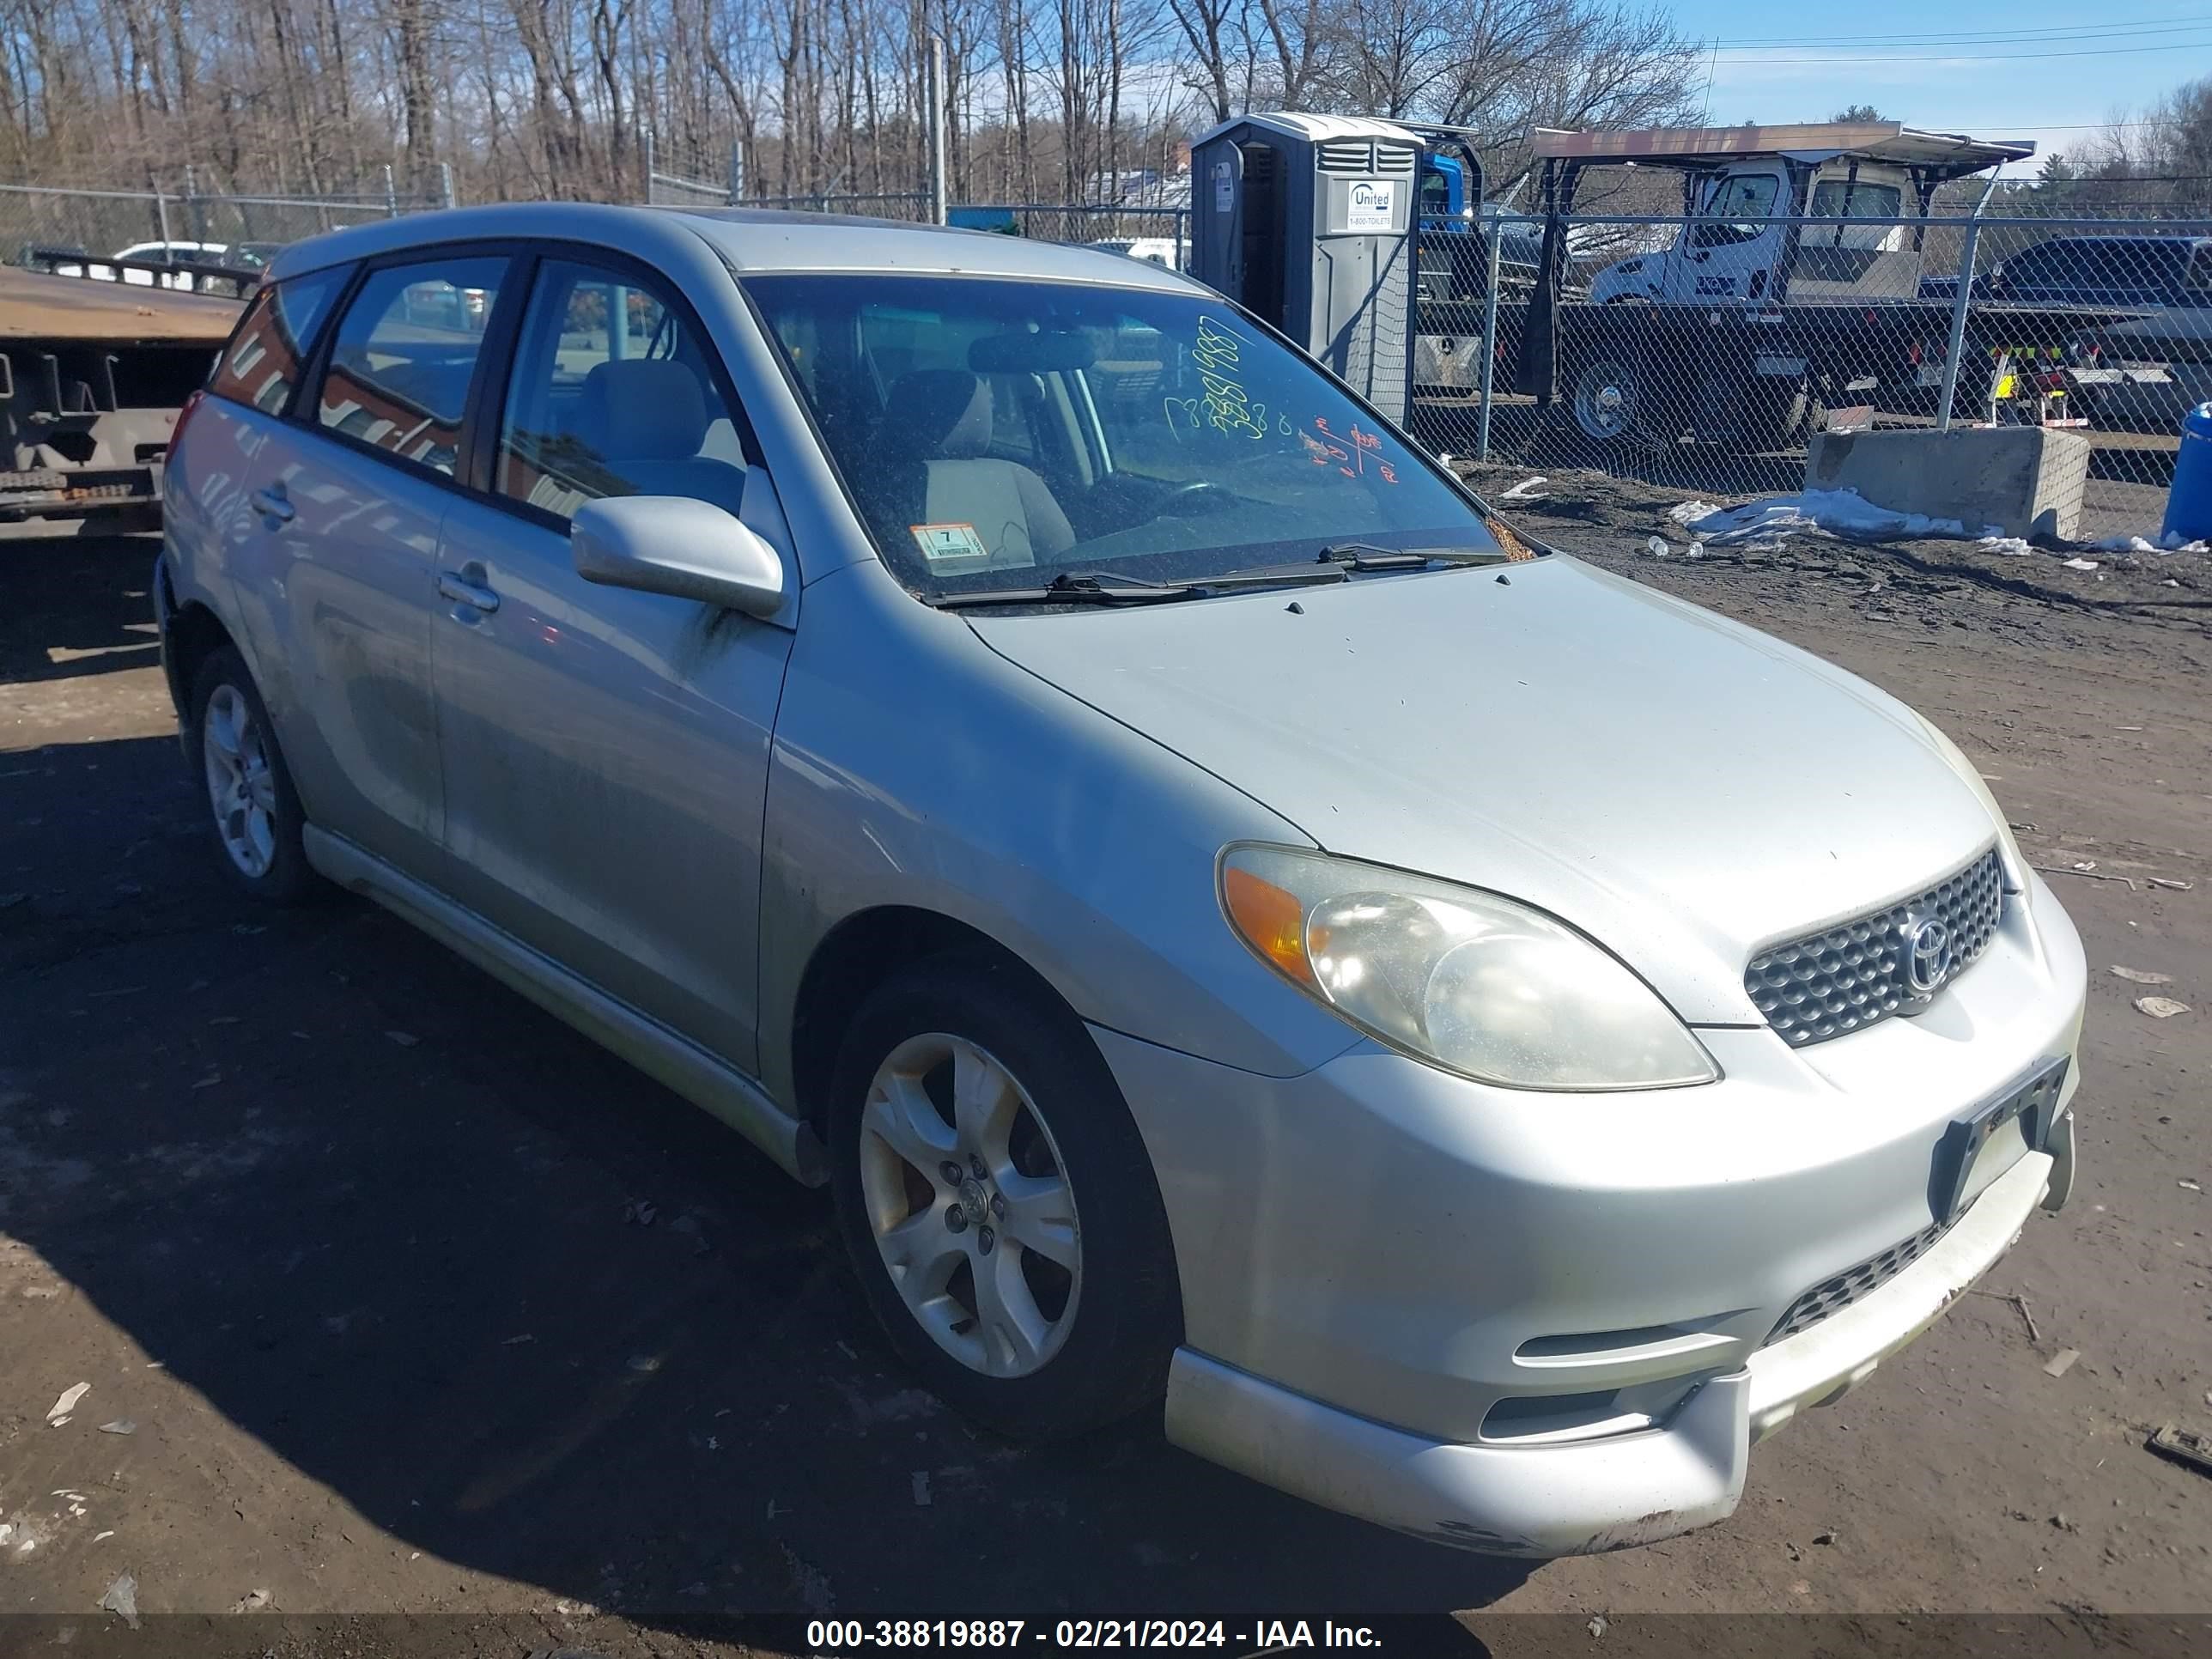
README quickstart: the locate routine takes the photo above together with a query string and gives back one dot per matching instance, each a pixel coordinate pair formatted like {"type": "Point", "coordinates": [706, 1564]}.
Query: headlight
{"type": "Point", "coordinates": [1461, 979]}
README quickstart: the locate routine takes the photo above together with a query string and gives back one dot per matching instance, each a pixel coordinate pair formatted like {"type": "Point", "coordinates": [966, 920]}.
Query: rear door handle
{"type": "Point", "coordinates": [270, 504]}
{"type": "Point", "coordinates": [461, 590]}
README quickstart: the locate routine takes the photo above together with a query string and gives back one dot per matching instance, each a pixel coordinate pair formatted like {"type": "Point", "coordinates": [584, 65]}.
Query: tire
{"type": "Point", "coordinates": [253, 811]}
{"type": "Point", "coordinates": [1604, 405]}
{"type": "Point", "coordinates": [1034, 1343]}
{"type": "Point", "coordinates": [1749, 414]}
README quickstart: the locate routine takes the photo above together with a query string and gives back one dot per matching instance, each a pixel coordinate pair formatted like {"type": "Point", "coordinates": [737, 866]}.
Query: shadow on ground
{"type": "Point", "coordinates": [76, 606]}
{"type": "Point", "coordinates": [484, 1286]}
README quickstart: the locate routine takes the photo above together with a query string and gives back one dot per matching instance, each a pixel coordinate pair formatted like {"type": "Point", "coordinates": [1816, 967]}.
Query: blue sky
{"type": "Point", "coordinates": [2034, 69]}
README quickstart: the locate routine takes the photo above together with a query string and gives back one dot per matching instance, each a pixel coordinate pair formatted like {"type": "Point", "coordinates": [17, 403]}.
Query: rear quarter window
{"type": "Point", "coordinates": [261, 362]}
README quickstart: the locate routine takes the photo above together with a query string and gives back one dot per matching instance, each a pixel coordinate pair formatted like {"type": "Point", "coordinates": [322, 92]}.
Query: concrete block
{"type": "Point", "coordinates": [2019, 480]}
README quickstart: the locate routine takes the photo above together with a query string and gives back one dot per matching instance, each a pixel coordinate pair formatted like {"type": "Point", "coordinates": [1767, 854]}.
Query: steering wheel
{"type": "Point", "coordinates": [1201, 493]}
{"type": "Point", "coordinates": [1207, 495]}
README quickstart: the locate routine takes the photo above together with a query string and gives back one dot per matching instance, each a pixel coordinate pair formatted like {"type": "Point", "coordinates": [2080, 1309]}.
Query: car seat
{"type": "Point", "coordinates": [933, 445]}
{"type": "Point", "coordinates": [646, 419]}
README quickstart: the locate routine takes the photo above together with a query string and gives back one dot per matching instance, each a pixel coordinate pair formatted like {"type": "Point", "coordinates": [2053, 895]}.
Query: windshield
{"type": "Point", "coordinates": [997, 433]}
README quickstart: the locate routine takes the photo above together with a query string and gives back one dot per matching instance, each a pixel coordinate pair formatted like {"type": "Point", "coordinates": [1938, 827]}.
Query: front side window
{"type": "Point", "coordinates": [261, 363]}
{"type": "Point", "coordinates": [612, 394]}
{"type": "Point", "coordinates": [1739, 193]}
{"type": "Point", "coordinates": [405, 355]}
{"type": "Point", "coordinates": [989, 425]}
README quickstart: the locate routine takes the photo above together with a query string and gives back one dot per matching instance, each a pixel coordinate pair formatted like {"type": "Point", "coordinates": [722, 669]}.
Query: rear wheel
{"type": "Point", "coordinates": [249, 789]}
{"type": "Point", "coordinates": [1755, 412]}
{"type": "Point", "coordinates": [997, 1203]}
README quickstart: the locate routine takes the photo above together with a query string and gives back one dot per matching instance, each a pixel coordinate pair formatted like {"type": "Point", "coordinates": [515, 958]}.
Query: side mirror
{"type": "Point", "coordinates": [674, 544]}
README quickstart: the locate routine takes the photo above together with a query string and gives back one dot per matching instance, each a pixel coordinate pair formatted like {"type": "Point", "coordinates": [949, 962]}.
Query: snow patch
{"type": "Point", "coordinates": [1825, 512]}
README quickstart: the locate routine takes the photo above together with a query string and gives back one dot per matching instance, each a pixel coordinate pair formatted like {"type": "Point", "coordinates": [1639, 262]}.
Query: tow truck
{"type": "Point", "coordinates": [1455, 230]}
{"type": "Point", "coordinates": [1756, 313]}
{"type": "Point", "coordinates": [92, 372]}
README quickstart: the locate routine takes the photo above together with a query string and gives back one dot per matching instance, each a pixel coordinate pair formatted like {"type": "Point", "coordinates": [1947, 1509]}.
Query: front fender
{"type": "Point", "coordinates": [913, 765]}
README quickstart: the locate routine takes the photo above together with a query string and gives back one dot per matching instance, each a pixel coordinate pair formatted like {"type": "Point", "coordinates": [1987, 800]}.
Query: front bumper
{"type": "Point", "coordinates": [1610, 1494]}
{"type": "Point", "coordinates": [1545, 1324]}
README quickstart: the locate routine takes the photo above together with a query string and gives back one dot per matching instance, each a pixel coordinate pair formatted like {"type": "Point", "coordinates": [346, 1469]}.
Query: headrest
{"type": "Point", "coordinates": [939, 414]}
{"type": "Point", "coordinates": [644, 409]}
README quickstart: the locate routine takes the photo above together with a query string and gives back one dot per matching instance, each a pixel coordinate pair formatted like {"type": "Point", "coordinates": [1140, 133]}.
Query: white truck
{"type": "Point", "coordinates": [1756, 311]}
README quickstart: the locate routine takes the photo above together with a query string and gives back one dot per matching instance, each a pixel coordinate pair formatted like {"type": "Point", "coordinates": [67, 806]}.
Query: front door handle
{"type": "Point", "coordinates": [270, 503]}
{"type": "Point", "coordinates": [453, 586]}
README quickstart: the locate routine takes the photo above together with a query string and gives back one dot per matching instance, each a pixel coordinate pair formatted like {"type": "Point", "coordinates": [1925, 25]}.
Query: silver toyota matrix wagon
{"type": "Point", "coordinates": [1233, 924]}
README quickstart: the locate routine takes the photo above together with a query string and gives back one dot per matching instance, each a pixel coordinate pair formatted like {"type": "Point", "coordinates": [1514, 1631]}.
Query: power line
{"type": "Point", "coordinates": [1823, 60]}
{"type": "Point", "coordinates": [2000, 36]}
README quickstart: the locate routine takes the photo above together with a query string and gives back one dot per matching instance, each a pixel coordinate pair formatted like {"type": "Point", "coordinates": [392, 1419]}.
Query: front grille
{"type": "Point", "coordinates": [1851, 976]}
{"type": "Point", "coordinates": [1834, 1295]}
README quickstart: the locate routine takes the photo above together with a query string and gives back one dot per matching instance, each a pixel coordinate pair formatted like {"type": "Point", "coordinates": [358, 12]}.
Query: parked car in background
{"type": "Point", "coordinates": [2105, 272]}
{"type": "Point", "coordinates": [2146, 371]}
{"type": "Point", "coordinates": [1241, 934]}
{"type": "Point", "coordinates": [245, 255]}
{"type": "Point", "coordinates": [1153, 249]}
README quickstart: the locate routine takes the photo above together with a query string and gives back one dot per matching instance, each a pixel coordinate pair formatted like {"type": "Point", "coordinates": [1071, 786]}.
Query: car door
{"type": "Point", "coordinates": [605, 750]}
{"type": "Point", "coordinates": [215, 486]}
{"type": "Point", "coordinates": [1731, 241]}
{"type": "Point", "coordinates": [344, 571]}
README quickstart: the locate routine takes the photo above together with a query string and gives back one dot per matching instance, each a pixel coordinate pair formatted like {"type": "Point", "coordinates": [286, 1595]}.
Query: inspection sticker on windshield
{"type": "Point", "coordinates": [950, 546]}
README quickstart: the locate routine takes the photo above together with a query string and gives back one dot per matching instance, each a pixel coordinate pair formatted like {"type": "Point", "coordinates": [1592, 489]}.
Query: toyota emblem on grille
{"type": "Point", "coordinates": [1928, 956]}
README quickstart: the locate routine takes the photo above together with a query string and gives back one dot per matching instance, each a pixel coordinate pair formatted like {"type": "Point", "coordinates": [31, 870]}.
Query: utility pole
{"type": "Point", "coordinates": [937, 136]}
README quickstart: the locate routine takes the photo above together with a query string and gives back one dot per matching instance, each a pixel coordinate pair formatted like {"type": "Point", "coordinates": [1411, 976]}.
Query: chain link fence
{"type": "Point", "coordinates": [1160, 235]}
{"type": "Point", "coordinates": [687, 175]}
{"type": "Point", "coordinates": [910, 207]}
{"type": "Point", "coordinates": [1702, 355]}
{"type": "Point", "coordinates": [56, 228]}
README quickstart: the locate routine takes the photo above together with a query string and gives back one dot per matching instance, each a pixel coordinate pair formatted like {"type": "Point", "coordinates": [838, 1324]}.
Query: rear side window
{"type": "Point", "coordinates": [261, 364]}
{"type": "Point", "coordinates": [1839, 198]}
{"type": "Point", "coordinates": [404, 353]}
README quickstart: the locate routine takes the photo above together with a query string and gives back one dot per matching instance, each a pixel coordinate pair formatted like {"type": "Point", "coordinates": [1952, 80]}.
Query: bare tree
{"type": "Point", "coordinates": [551, 98]}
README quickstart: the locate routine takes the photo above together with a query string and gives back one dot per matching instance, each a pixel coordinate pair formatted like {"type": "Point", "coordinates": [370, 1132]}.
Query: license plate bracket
{"type": "Point", "coordinates": [2033, 1100]}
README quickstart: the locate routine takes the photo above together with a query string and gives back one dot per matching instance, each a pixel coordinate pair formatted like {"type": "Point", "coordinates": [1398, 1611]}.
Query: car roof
{"type": "Point", "coordinates": [751, 240]}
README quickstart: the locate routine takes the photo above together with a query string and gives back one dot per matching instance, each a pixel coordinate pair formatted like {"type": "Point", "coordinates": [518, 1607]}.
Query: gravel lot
{"type": "Point", "coordinates": [417, 1302]}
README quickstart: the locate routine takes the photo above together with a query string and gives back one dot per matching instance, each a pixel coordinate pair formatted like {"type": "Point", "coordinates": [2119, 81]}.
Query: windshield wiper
{"type": "Point", "coordinates": [1087, 587]}
{"type": "Point", "coordinates": [1070, 587]}
{"type": "Point", "coordinates": [1367, 555]}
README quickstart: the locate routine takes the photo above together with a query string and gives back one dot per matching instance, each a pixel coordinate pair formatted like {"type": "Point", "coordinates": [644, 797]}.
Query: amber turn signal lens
{"type": "Point", "coordinates": [1271, 919]}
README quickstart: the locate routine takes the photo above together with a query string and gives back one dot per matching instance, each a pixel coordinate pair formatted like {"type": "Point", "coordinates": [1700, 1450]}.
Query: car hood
{"type": "Point", "coordinates": [1680, 788]}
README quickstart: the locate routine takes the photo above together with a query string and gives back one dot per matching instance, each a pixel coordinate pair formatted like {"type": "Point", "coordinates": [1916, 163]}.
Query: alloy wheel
{"type": "Point", "coordinates": [241, 787]}
{"type": "Point", "coordinates": [970, 1206]}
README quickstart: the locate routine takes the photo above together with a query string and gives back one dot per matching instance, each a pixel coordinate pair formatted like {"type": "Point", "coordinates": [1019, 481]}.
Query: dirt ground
{"type": "Point", "coordinates": [411, 1300]}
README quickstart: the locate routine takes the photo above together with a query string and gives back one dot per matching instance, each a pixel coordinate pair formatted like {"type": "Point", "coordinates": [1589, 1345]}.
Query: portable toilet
{"type": "Point", "coordinates": [1308, 221]}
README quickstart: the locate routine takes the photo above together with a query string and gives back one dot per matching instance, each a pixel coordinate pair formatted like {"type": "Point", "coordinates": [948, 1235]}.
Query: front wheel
{"type": "Point", "coordinates": [1606, 401]}
{"type": "Point", "coordinates": [998, 1204]}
